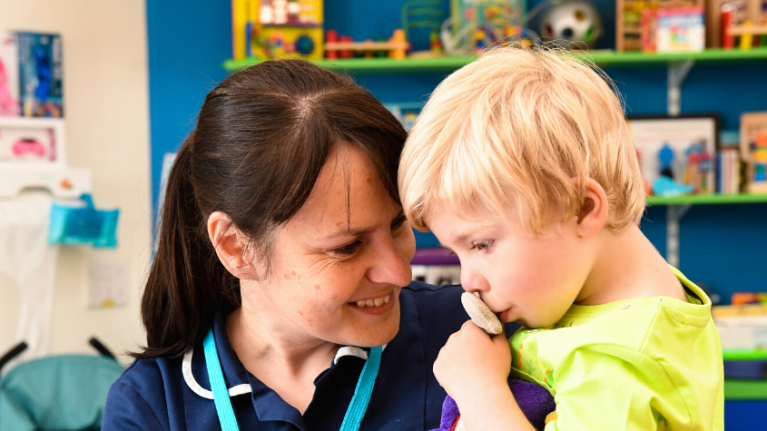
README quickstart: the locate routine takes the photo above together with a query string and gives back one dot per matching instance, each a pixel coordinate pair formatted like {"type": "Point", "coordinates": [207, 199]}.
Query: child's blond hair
{"type": "Point", "coordinates": [522, 129]}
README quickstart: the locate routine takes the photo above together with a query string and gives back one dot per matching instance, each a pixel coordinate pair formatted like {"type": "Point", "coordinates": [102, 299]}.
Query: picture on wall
{"type": "Point", "coordinates": [681, 148]}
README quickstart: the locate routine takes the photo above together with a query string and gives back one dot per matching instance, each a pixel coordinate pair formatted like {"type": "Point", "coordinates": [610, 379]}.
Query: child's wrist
{"type": "Point", "coordinates": [481, 392]}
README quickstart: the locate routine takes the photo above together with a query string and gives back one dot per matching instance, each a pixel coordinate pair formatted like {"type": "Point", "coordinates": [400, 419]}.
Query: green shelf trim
{"type": "Point", "coordinates": [744, 355]}
{"type": "Point", "coordinates": [448, 64]}
{"type": "Point", "coordinates": [374, 65]}
{"type": "Point", "coordinates": [707, 199]}
{"type": "Point", "coordinates": [745, 390]}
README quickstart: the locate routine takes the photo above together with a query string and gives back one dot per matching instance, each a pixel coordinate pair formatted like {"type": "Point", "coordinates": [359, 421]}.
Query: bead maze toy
{"type": "Point", "coordinates": [275, 29]}
{"type": "Point", "coordinates": [753, 150]}
{"type": "Point", "coordinates": [344, 47]}
{"type": "Point", "coordinates": [744, 20]}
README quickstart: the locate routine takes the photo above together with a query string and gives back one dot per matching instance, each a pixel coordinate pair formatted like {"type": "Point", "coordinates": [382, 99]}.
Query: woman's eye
{"type": "Point", "coordinates": [481, 245]}
{"type": "Point", "coordinates": [348, 249]}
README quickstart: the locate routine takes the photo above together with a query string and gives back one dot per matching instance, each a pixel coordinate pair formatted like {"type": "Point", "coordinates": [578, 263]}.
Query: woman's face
{"type": "Point", "coordinates": [338, 265]}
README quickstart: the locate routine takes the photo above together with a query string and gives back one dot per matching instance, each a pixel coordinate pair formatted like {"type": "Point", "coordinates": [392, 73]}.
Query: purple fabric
{"type": "Point", "coordinates": [434, 256]}
{"type": "Point", "coordinates": [534, 401]}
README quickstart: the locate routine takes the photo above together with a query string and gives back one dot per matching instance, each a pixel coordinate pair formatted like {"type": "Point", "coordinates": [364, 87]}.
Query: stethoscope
{"type": "Point", "coordinates": [353, 416]}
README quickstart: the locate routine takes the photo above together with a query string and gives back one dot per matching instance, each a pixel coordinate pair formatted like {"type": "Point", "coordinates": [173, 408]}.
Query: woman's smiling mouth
{"type": "Point", "coordinates": [374, 302]}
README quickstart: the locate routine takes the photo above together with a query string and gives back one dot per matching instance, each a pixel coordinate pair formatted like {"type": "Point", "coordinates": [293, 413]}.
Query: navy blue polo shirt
{"type": "Point", "coordinates": [174, 394]}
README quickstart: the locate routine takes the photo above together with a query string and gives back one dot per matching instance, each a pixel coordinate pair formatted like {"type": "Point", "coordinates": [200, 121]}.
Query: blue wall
{"type": "Point", "coordinates": [724, 247]}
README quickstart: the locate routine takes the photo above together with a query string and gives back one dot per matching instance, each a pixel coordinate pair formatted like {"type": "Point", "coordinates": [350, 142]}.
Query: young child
{"type": "Point", "coordinates": [522, 164]}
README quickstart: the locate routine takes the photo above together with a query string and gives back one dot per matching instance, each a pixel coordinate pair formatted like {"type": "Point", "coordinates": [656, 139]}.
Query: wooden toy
{"type": "Point", "coordinates": [748, 22]}
{"type": "Point", "coordinates": [345, 47]}
{"type": "Point", "coordinates": [728, 20]}
{"type": "Point", "coordinates": [753, 150]}
{"type": "Point", "coordinates": [274, 29]}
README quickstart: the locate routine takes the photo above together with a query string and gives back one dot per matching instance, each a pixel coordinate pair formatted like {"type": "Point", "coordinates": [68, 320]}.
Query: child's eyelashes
{"type": "Point", "coordinates": [481, 246]}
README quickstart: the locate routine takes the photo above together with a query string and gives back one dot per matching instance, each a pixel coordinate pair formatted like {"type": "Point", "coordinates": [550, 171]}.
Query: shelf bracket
{"type": "Point", "coordinates": [674, 213]}
{"type": "Point", "coordinates": [677, 71]}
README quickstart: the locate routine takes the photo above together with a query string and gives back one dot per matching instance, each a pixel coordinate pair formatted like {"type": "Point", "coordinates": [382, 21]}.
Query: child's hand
{"type": "Point", "coordinates": [471, 362]}
{"type": "Point", "coordinates": [473, 368]}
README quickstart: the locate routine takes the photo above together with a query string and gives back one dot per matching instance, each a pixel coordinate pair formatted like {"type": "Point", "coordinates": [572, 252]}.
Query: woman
{"type": "Point", "coordinates": [284, 256]}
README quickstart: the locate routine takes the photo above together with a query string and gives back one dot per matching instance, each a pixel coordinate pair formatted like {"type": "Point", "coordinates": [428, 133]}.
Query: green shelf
{"type": "Point", "coordinates": [744, 355]}
{"type": "Point", "coordinates": [375, 65]}
{"type": "Point", "coordinates": [745, 390]}
{"type": "Point", "coordinates": [449, 64]}
{"type": "Point", "coordinates": [743, 198]}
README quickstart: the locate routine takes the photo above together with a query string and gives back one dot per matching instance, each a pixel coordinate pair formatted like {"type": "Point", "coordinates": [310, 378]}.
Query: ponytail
{"type": "Point", "coordinates": [181, 292]}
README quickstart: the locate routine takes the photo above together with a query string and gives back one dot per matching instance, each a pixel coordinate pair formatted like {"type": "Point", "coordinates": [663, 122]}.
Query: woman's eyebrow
{"type": "Point", "coordinates": [349, 232]}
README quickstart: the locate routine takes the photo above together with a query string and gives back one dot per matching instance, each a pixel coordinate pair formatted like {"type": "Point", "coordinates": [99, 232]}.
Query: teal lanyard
{"type": "Point", "coordinates": [354, 414]}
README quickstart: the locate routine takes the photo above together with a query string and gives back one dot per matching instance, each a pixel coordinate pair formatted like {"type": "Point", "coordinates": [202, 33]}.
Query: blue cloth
{"type": "Point", "coordinates": [153, 394]}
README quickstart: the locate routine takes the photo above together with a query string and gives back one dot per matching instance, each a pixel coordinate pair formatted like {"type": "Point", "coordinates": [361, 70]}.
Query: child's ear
{"type": "Point", "coordinates": [592, 215]}
{"type": "Point", "coordinates": [232, 247]}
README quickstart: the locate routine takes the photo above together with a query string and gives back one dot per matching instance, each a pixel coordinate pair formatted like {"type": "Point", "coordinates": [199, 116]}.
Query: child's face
{"type": "Point", "coordinates": [522, 277]}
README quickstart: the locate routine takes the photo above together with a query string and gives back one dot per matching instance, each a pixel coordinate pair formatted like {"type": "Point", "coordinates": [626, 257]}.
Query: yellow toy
{"type": "Point", "coordinates": [274, 29]}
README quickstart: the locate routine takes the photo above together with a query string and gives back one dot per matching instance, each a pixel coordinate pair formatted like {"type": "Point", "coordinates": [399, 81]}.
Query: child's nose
{"type": "Point", "coordinates": [472, 281]}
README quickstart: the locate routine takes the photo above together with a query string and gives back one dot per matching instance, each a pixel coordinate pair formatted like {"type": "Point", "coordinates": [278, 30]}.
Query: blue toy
{"type": "Point", "coordinates": [666, 156]}
{"type": "Point", "coordinates": [668, 188]}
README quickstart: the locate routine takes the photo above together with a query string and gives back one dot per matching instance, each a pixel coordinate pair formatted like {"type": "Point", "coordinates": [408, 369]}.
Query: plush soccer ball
{"type": "Point", "coordinates": [574, 21]}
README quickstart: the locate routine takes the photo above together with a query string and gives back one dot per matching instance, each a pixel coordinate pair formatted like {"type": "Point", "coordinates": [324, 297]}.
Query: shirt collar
{"type": "Point", "coordinates": [269, 406]}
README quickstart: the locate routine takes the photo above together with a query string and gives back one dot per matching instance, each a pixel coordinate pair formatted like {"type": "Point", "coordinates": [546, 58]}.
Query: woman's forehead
{"type": "Point", "coordinates": [347, 196]}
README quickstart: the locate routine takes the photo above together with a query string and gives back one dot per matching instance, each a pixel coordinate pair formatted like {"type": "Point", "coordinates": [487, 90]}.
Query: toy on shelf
{"type": "Point", "coordinates": [573, 24]}
{"type": "Point", "coordinates": [275, 29]}
{"type": "Point", "coordinates": [477, 24]}
{"type": "Point", "coordinates": [427, 15]}
{"type": "Point", "coordinates": [738, 23]}
{"type": "Point", "coordinates": [753, 150]}
{"type": "Point", "coordinates": [344, 47]}
{"type": "Point", "coordinates": [660, 25]}
{"type": "Point", "coordinates": [696, 177]}
{"type": "Point", "coordinates": [676, 153]}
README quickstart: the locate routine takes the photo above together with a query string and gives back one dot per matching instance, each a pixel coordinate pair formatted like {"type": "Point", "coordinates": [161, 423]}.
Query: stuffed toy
{"type": "Point", "coordinates": [534, 400]}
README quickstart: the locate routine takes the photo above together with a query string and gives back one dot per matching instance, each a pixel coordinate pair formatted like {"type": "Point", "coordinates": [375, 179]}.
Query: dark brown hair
{"type": "Point", "coordinates": [261, 139]}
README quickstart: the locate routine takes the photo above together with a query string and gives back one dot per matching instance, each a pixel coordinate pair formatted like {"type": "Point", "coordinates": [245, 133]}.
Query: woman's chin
{"type": "Point", "coordinates": [377, 333]}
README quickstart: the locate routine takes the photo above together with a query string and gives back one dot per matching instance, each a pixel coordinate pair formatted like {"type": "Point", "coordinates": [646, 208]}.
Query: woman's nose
{"type": "Point", "coordinates": [391, 265]}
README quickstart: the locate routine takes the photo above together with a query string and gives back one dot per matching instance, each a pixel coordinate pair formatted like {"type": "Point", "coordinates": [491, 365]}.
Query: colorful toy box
{"type": "Point", "coordinates": [10, 105]}
{"type": "Point", "coordinates": [680, 30]}
{"type": "Point", "coordinates": [275, 29]}
{"type": "Point", "coordinates": [40, 74]}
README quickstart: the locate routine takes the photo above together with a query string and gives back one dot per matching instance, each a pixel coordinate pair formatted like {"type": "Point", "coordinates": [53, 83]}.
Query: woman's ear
{"type": "Point", "coordinates": [592, 215]}
{"type": "Point", "coordinates": [232, 247]}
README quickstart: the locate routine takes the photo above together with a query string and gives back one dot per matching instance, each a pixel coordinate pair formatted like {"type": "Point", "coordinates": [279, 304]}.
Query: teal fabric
{"type": "Point", "coordinates": [354, 414]}
{"type": "Point", "coordinates": [218, 385]}
{"type": "Point", "coordinates": [65, 392]}
{"type": "Point", "coordinates": [363, 391]}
